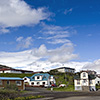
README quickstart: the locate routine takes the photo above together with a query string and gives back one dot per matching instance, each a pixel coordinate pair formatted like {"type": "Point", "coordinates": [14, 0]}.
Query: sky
{"type": "Point", "coordinates": [46, 34]}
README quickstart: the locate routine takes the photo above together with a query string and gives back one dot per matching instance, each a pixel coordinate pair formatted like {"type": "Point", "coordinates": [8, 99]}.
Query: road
{"type": "Point", "coordinates": [54, 95]}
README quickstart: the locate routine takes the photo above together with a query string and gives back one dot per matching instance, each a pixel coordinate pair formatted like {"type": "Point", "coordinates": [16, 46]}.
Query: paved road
{"type": "Point", "coordinates": [53, 95]}
{"type": "Point", "coordinates": [81, 98]}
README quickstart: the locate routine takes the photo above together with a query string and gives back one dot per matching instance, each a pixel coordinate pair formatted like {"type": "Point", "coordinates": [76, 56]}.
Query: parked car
{"type": "Point", "coordinates": [47, 86]}
{"type": "Point", "coordinates": [54, 85]}
{"type": "Point", "coordinates": [62, 85]}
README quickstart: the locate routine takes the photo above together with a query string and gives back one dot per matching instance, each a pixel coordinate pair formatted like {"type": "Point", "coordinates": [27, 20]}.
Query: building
{"type": "Point", "coordinates": [6, 70]}
{"type": "Point", "coordinates": [40, 79]}
{"type": "Point", "coordinates": [97, 80]}
{"type": "Point", "coordinates": [19, 82]}
{"type": "Point", "coordinates": [65, 69]}
{"type": "Point", "coordinates": [85, 81]}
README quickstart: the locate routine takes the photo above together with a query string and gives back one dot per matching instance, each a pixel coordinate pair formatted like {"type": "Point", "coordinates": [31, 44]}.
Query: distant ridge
{"type": "Point", "coordinates": [4, 66]}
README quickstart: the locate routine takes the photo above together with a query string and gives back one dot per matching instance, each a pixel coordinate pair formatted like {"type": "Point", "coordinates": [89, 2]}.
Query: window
{"type": "Point", "coordinates": [38, 77]}
{"type": "Point", "coordinates": [84, 81]}
{"type": "Point", "coordinates": [0, 82]}
{"type": "Point", "coordinates": [84, 74]}
{"type": "Point", "coordinates": [98, 82]}
{"type": "Point", "coordinates": [25, 78]}
{"type": "Point", "coordinates": [38, 83]}
{"type": "Point", "coordinates": [78, 81]}
{"type": "Point", "coordinates": [43, 83]}
{"type": "Point", "coordinates": [90, 81]}
{"type": "Point", "coordinates": [8, 82]}
{"type": "Point", "coordinates": [18, 83]}
{"type": "Point", "coordinates": [32, 83]}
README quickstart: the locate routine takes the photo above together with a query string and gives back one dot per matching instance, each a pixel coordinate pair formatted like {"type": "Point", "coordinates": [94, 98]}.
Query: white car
{"type": "Point", "coordinates": [62, 85]}
{"type": "Point", "coordinates": [47, 86]}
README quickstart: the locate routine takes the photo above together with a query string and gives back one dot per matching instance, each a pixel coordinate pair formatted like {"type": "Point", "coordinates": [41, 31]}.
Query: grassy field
{"type": "Point", "coordinates": [14, 75]}
{"type": "Point", "coordinates": [61, 78]}
{"type": "Point", "coordinates": [69, 88]}
{"type": "Point", "coordinates": [16, 95]}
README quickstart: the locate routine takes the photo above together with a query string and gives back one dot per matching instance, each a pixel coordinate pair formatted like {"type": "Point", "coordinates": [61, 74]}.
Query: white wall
{"type": "Point", "coordinates": [61, 70]}
{"type": "Point", "coordinates": [93, 83]}
{"type": "Point", "coordinates": [96, 80]}
{"type": "Point", "coordinates": [40, 83]}
{"type": "Point", "coordinates": [40, 77]}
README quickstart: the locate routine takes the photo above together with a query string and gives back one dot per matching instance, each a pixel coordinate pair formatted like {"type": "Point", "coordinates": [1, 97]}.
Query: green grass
{"type": "Point", "coordinates": [27, 98]}
{"type": "Point", "coordinates": [69, 88]}
{"type": "Point", "coordinates": [14, 75]}
{"type": "Point", "coordinates": [64, 79]}
{"type": "Point", "coordinates": [16, 95]}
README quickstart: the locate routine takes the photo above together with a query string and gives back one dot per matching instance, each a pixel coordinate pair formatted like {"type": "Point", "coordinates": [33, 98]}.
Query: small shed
{"type": "Point", "coordinates": [19, 82]}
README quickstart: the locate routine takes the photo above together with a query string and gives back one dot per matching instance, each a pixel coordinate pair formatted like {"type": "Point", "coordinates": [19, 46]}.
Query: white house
{"type": "Point", "coordinates": [85, 81]}
{"type": "Point", "coordinates": [40, 79]}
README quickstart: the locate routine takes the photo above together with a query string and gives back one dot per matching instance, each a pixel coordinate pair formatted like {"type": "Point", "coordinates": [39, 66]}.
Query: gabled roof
{"type": "Point", "coordinates": [45, 76]}
{"type": "Point", "coordinates": [10, 78]}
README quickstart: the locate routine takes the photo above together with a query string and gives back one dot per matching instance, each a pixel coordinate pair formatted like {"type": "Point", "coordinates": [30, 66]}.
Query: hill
{"type": "Point", "coordinates": [4, 66]}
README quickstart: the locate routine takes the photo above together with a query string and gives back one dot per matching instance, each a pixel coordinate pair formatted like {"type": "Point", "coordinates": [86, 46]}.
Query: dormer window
{"type": "Point", "coordinates": [25, 78]}
{"type": "Point", "coordinates": [38, 77]}
{"type": "Point", "coordinates": [84, 74]}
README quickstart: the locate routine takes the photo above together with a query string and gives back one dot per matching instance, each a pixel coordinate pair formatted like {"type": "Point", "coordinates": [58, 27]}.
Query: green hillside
{"type": "Point", "coordinates": [63, 78]}
{"type": "Point", "coordinates": [4, 66]}
{"type": "Point", "coordinates": [14, 75]}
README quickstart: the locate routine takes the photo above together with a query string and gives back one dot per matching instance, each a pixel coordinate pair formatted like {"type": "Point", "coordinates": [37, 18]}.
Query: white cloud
{"type": "Point", "coordinates": [24, 43]}
{"type": "Point", "coordinates": [68, 11]}
{"type": "Point", "coordinates": [15, 13]}
{"type": "Point", "coordinates": [56, 34]}
{"type": "Point", "coordinates": [38, 58]}
{"type": "Point", "coordinates": [93, 66]}
{"type": "Point", "coordinates": [57, 41]}
{"type": "Point", "coordinates": [52, 29]}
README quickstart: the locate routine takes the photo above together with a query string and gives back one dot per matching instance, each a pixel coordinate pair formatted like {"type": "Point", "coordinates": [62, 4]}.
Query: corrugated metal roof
{"type": "Point", "coordinates": [10, 78]}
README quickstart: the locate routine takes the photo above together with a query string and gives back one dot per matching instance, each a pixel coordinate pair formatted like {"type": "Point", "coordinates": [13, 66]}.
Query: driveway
{"type": "Point", "coordinates": [54, 95]}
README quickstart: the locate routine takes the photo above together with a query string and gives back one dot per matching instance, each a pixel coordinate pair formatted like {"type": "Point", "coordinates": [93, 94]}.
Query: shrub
{"type": "Point", "coordinates": [11, 87]}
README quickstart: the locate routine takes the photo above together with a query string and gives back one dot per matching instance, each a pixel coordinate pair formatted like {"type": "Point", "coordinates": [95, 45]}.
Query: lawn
{"type": "Point", "coordinates": [69, 88]}
{"type": "Point", "coordinates": [14, 75]}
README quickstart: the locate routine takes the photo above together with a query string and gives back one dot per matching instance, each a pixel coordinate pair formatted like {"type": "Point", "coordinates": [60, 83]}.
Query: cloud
{"type": "Point", "coordinates": [15, 13]}
{"type": "Point", "coordinates": [68, 11]}
{"type": "Point", "coordinates": [61, 54]}
{"type": "Point", "coordinates": [38, 58]}
{"type": "Point", "coordinates": [24, 43]}
{"type": "Point", "coordinates": [57, 41]}
{"type": "Point", "coordinates": [52, 29]}
{"type": "Point", "coordinates": [93, 66]}
{"type": "Point", "coordinates": [56, 34]}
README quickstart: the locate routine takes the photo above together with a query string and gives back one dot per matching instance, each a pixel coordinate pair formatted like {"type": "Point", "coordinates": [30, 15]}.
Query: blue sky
{"type": "Point", "coordinates": [45, 34]}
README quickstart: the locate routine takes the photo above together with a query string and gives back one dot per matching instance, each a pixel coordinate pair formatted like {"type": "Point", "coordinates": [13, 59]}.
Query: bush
{"type": "Point", "coordinates": [8, 94]}
{"type": "Point", "coordinates": [11, 87]}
